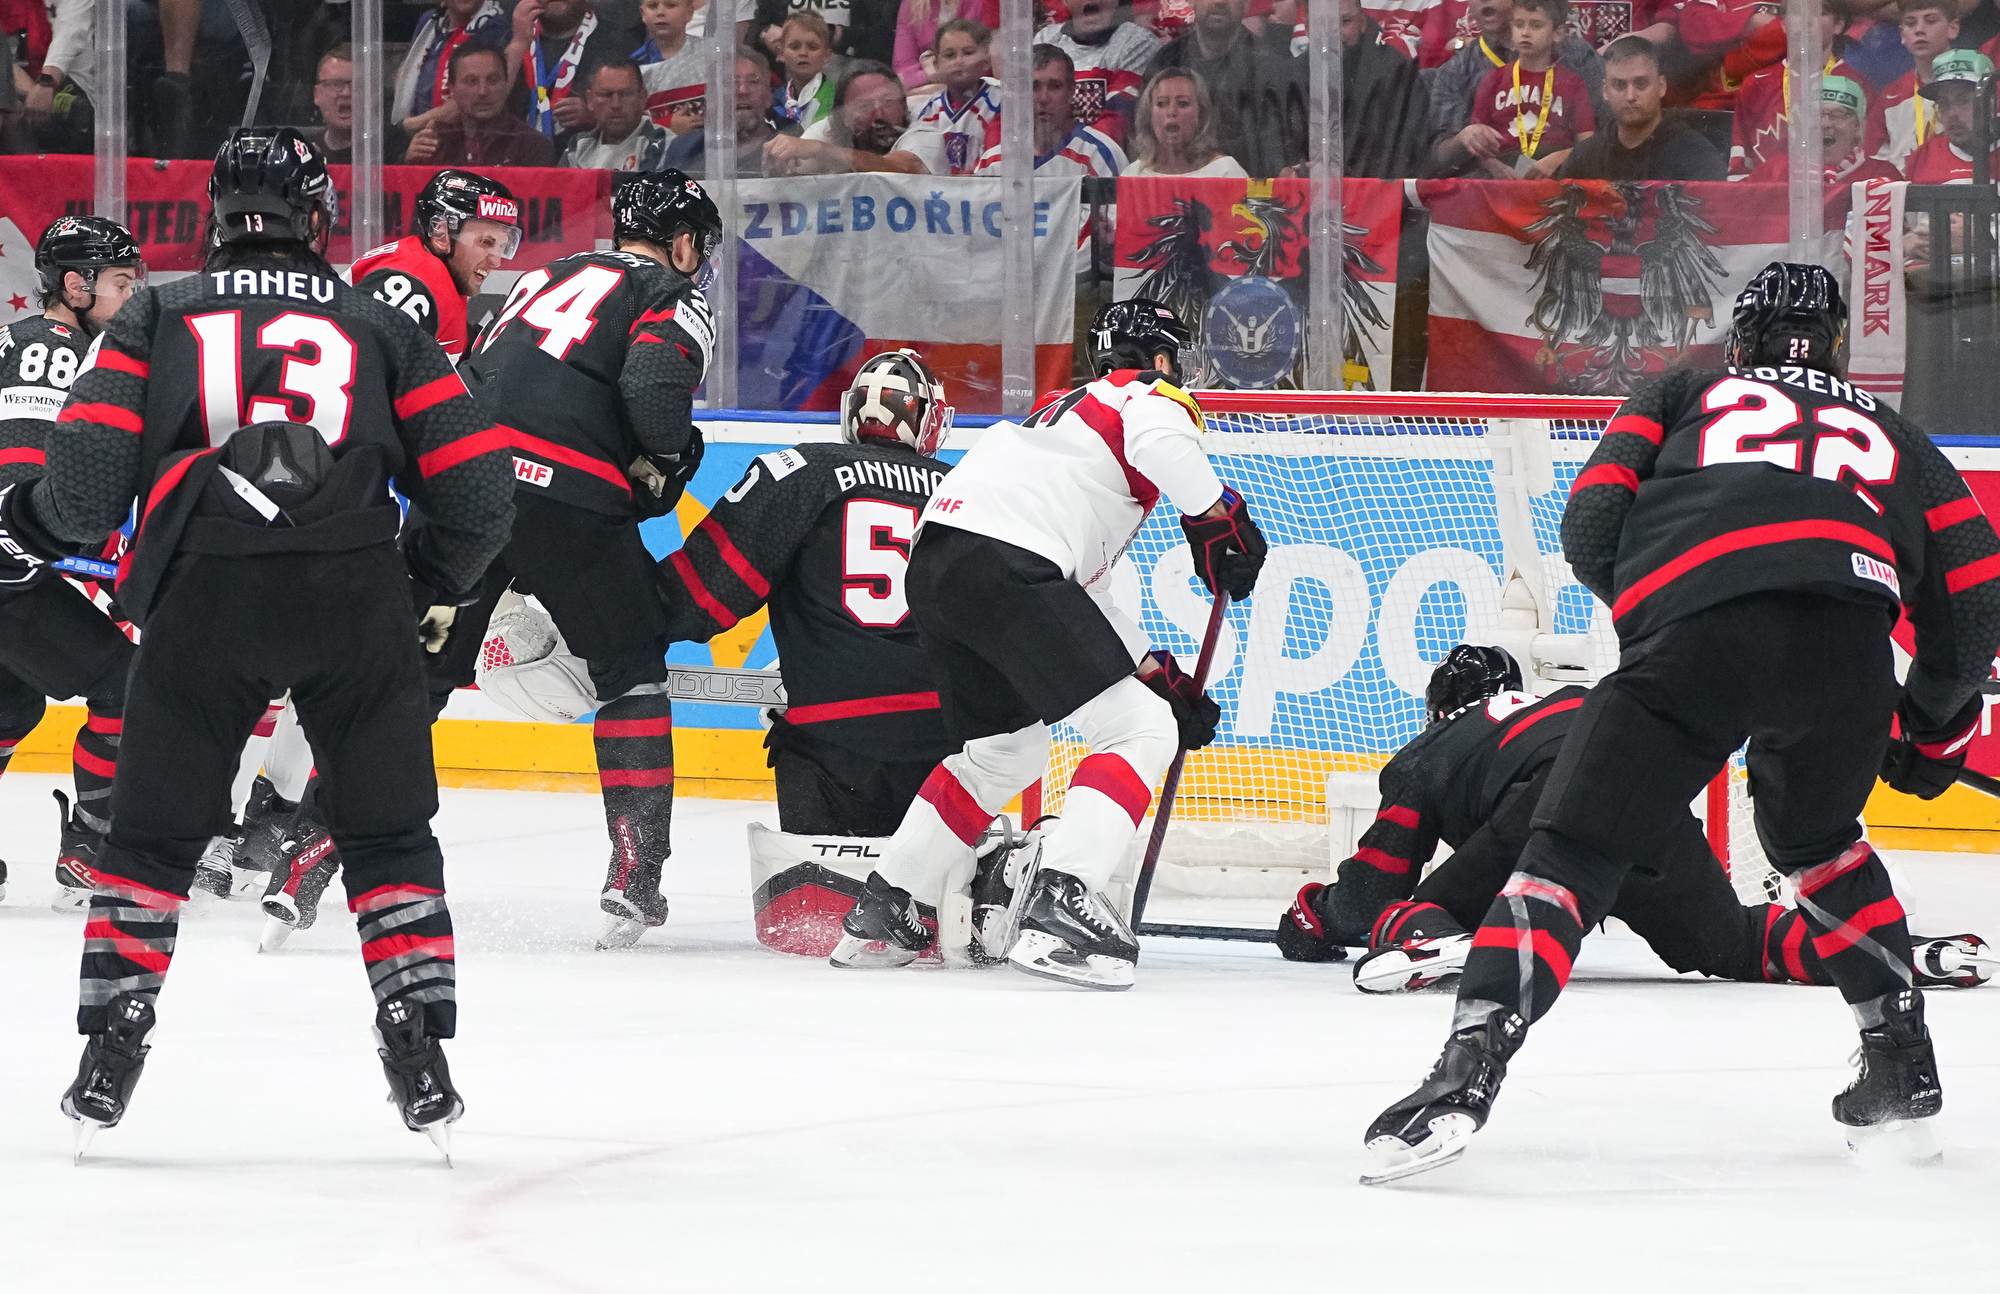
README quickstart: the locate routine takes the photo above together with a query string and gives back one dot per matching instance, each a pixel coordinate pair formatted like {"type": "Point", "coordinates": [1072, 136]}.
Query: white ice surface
{"type": "Point", "coordinates": [701, 1114]}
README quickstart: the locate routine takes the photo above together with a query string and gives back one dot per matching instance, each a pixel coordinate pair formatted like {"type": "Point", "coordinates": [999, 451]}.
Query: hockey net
{"type": "Point", "coordinates": [1399, 526]}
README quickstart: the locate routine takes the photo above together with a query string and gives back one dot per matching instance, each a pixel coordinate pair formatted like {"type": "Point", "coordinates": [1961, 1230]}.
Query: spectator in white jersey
{"type": "Point", "coordinates": [625, 138]}
{"type": "Point", "coordinates": [1063, 145]}
{"type": "Point", "coordinates": [951, 128]}
{"type": "Point", "coordinates": [1110, 53]}
{"type": "Point", "coordinates": [1175, 130]}
{"type": "Point", "coordinates": [672, 66]}
{"type": "Point", "coordinates": [756, 123]}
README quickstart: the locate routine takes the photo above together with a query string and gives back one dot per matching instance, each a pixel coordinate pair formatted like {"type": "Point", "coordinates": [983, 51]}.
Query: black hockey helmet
{"type": "Point", "coordinates": [452, 197]}
{"type": "Point", "coordinates": [654, 206]}
{"type": "Point", "coordinates": [85, 244]}
{"type": "Point", "coordinates": [895, 396]}
{"type": "Point", "coordinates": [1127, 334]}
{"type": "Point", "coordinates": [1789, 314]}
{"type": "Point", "coordinates": [270, 184]}
{"type": "Point", "coordinates": [1467, 675]}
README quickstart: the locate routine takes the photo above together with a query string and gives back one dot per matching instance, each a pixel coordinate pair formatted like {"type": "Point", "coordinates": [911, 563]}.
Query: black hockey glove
{"type": "Point", "coordinates": [659, 480]}
{"type": "Point", "coordinates": [1228, 550]}
{"type": "Point", "coordinates": [1194, 713]}
{"type": "Point", "coordinates": [1926, 764]}
{"type": "Point", "coordinates": [26, 550]}
{"type": "Point", "coordinates": [1302, 932]}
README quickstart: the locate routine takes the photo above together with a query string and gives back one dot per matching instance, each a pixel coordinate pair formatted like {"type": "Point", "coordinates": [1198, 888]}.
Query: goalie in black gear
{"type": "Point", "coordinates": [1755, 531]}
{"type": "Point", "coordinates": [822, 533]}
{"type": "Point", "coordinates": [1471, 780]}
{"type": "Point", "coordinates": [54, 641]}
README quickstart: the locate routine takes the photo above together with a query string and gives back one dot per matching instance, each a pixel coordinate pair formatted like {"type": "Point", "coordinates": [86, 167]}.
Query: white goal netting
{"type": "Point", "coordinates": [1399, 526]}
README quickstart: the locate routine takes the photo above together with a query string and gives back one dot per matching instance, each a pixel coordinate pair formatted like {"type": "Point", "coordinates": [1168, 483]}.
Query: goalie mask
{"type": "Point", "coordinates": [895, 396]}
{"type": "Point", "coordinates": [525, 665]}
{"type": "Point", "coordinates": [1468, 675]}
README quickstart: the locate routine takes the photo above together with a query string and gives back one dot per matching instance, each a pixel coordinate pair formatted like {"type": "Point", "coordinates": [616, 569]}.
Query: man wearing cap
{"type": "Point", "coordinates": [1946, 157]}
{"type": "Point", "coordinates": [1843, 110]}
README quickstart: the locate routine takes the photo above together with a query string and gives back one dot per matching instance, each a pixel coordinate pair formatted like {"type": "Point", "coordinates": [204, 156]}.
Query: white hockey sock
{"type": "Point", "coordinates": [288, 761]}
{"type": "Point", "coordinates": [932, 850]}
{"type": "Point", "coordinates": [1132, 739]}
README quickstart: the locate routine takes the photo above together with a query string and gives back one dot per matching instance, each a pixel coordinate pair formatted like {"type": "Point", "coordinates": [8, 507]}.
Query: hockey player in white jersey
{"type": "Point", "coordinates": [1008, 584]}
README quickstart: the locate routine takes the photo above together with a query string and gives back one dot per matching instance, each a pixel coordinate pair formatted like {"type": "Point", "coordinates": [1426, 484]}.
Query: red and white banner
{"type": "Point", "coordinates": [1584, 287]}
{"type": "Point", "coordinates": [1877, 309]}
{"type": "Point", "coordinates": [1231, 256]}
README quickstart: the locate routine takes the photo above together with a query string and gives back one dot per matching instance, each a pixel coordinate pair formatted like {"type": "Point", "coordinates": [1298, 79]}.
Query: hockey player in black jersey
{"type": "Point", "coordinates": [1471, 780]}
{"type": "Point", "coordinates": [1755, 531]}
{"type": "Point", "coordinates": [257, 414]}
{"type": "Point", "coordinates": [593, 361]}
{"type": "Point", "coordinates": [54, 641]}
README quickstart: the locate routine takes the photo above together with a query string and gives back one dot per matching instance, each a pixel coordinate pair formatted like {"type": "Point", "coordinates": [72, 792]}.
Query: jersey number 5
{"type": "Point", "coordinates": [315, 382]}
{"type": "Point", "coordinates": [564, 314]}
{"type": "Point", "coordinates": [1756, 423]}
{"type": "Point", "coordinates": [875, 561]}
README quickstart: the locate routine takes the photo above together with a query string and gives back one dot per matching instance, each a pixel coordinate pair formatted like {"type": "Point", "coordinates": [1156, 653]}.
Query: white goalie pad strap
{"type": "Point", "coordinates": [525, 665]}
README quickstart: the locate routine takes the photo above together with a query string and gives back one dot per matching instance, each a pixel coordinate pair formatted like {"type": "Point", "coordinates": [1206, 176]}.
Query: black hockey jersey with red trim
{"type": "Point", "coordinates": [408, 276]}
{"type": "Point", "coordinates": [1447, 782]}
{"type": "Point", "coordinates": [39, 362]}
{"type": "Point", "coordinates": [184, 367]}
{"type": "Point", "coordinates": [823, 532]}
{"type": "Point", "coordinates": [1712, 484]}
{"type": "Point", "coordinates": [592, 362]}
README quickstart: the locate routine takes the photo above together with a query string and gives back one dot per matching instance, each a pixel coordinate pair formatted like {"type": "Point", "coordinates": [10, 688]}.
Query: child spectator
{"type": "Point", "coordinates": [672, 66]}
{"type": "Point", "coordinates": [1174, 133]}
{"type": "Point", "coordinates": [950, 130]}
{"type": "Point", "coordinates": [1527, 115]}
{"type": "Point", "coordinates": [918, 23]}
{"type": "Point", "coordinates": [1454, 85]}
{"type": "Point", "coordinates": [1111, 53]}
{"type": "Point", "coordinates": [805, 48]}
{"type": "Point", "coordinates": [1764, 104]}
{"type": "Point", "coordinates": [1907, 119]}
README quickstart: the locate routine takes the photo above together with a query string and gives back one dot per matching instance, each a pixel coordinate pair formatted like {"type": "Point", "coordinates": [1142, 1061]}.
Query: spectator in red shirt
{"type": "Point", "coordinates": [1764, 105]}
{"type": "Point", "coordinates": [1906, 119]}
{"type": "Point", "coordinates": [484, 134]}
{"type": "Point", "coordinates": [1946, 157]}
{"type": "Point", "coordinates": [1527, 115]}
{"type": "Point", "coordinates": [1842, 114]}
{"type": "Point", "coordinates": [1111, 54]}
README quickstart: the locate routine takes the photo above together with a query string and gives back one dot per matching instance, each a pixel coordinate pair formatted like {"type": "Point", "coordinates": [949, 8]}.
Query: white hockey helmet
{"type": "Point", "coordinates": [895, 396]}
{"type": "Point", "coordinates": [525, 665]}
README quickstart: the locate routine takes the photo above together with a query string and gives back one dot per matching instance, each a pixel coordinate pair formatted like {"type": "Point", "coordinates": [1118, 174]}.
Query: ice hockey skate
{"type": "Point", "coordinates": [885, 929]}
{"type": "Point", "coordinates": [307, 864]}
{"type": "Point", "coordinates": [419, 1080]}
{"type": "Point", "coordinates": [76, 858]}
{"type": "Point", "coordinates": [1070, 932]}
{"type": "Point", "coordinates": [1433, 1125]}
{"type": "Point", "coordinates": [109, 1070]}
{"type": "Point", "coordinates": [239, 863]}
{"type": "Point", "coordinates": [1952, 961]}
{"type": "Point", "coordinates": [631, 901]}
{"type": "Point", "coordinates": [1413, 965]}
{"type": "Point", "coordinates": [3, 879]}
{"type": "Point", "coordinates": [1888, 1107]}
{"type": "Point", "coordinates": [1007, 855]}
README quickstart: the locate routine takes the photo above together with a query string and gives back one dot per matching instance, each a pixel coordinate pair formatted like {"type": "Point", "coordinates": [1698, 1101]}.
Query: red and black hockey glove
{"type": "Point", "coordinates": [26, 550]}
{"type": "Point", "coordinates": [1194, 713]}
{"type": "Point", "coordinates": [1228, 549]}
{"type": "Point", "coordinates": [1926, 764]}
{"type": "Point", "coordinates": [1303, 934]}
{"type": "Point", "coordinates": [659, 480]}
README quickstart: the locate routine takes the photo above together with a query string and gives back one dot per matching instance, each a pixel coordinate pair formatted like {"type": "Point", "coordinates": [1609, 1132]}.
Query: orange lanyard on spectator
{"type": "Point", "coordinates": [1491, 57]}
{"type": "Point", "coordinates": [1530, 144]}
{"type": "Point", "coordinates": [1923, 119]}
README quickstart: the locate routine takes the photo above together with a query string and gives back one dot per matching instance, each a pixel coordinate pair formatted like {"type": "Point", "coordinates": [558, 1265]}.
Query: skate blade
{"type": "Point", "coordinates": [70, 900]}
{"type": "Point", "coordinates": [86, 1132]}
{"type": "Point", "coordinates": [868, 954]}
{"type": "Point", "coordinates": [1399, 972]}
{"type": "Point", "coordinates": [1396, 1159]}
{"type": "Point", "coordinates": [1033, 953]}
{"type": "Point", "coordinates": [440, 1135]}
{"type": "Point", "coordinates": [275, 935]}
{"type": "Point", "coordinates": [621, 933]}
{"type": "Point", "coordinates": [1896, 1143]}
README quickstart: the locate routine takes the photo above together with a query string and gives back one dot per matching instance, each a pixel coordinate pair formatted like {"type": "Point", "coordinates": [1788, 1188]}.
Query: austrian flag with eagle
{"type": "Point", "coordinates": [1585, 286]}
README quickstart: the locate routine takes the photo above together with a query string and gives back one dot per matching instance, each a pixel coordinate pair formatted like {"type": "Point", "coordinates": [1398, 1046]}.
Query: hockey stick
{"type": "Point", "coordinates": [1169, 789]}
{"type": "Point", "coordinates": [1979, 782]}
{"type": "Point", "coordinates": [759, 687]}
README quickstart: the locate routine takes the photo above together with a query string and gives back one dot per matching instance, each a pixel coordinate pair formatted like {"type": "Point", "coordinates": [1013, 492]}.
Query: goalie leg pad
{"type": "Point", "coordinates": [801, 886]}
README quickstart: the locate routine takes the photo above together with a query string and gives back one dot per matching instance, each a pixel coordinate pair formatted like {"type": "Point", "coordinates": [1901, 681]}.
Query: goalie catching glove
{"type": "Point", "coordinates": [1228, 548]}
{"type": "Point", "coordinates": [1926, 764]}
{"type": "Point", "coordinates": [1194, 714]}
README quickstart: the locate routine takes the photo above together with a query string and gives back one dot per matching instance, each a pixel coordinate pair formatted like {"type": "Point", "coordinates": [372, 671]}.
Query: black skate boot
{"type": "Point", "coordinates": [307, 864]}
{"type": "Point", "coordinates": [109, 1070]}
{"type": "Point", "coordinates": [419, 1080]}
{"type": "Point", "coordinates": [1070, 932]}
{"type": "Point", "coordinates": [1005, 856]}
{"type": "Point", "coordinates": [1897, 1088]}
{"type": "Point", "coordinates": [214, 872]}
{"type": "Point", "coordinates": [76, 858]}
{"type": "Point", "coordinates": [885, 928]}
{"type": "Point", "coordinates": [3, 879]}
{"type": "Point", "coordinates": [1432, 1126]}
{"type": "Point", "coordinates": [632, 902]}
{"type": "Point", "coordinates": [1952, 961]}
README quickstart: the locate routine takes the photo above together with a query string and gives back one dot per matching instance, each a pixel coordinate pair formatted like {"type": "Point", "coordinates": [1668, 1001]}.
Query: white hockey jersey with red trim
{"type": "Point", "coordinates": [1075, 481]}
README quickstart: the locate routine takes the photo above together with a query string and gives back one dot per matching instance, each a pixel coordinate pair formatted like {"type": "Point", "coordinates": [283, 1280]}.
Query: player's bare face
{"type": "Point", "coordinates": [961, 62]}
{"type": "Point", "coordinates": [1176, 116]}
{"type": "Point", "coordinates": [115, 286]}
{"type": "Point", "coordinates": [481, 248]}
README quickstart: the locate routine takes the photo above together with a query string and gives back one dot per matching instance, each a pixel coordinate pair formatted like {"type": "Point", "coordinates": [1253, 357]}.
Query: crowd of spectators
{"type": "Point", "coordinates": [1640, 89]}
